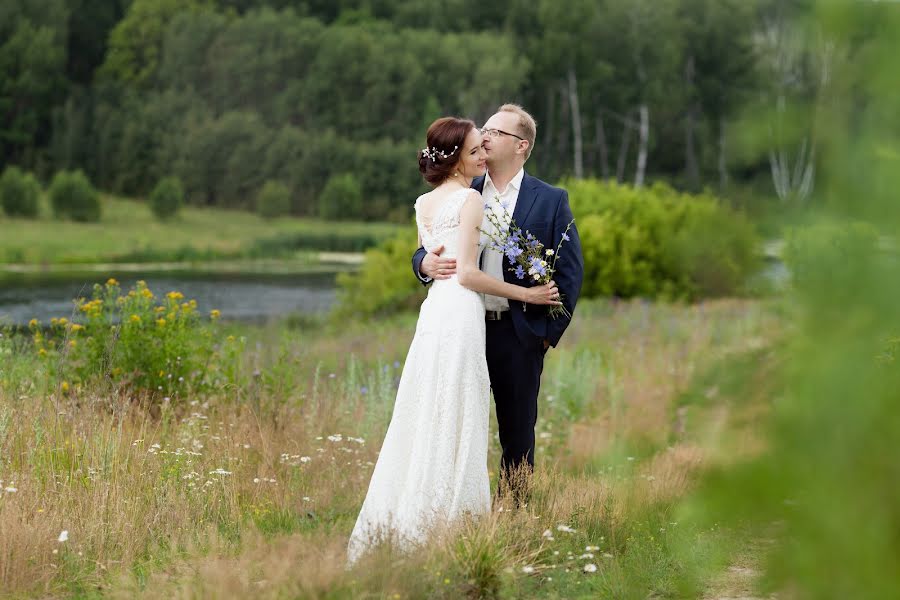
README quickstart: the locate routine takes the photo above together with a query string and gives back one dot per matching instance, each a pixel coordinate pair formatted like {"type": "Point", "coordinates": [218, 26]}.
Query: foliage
{"type": "Point", "coordinates": [32, 78]}
{"type": "Point", "coordinates": [820, 256]}
{"type": "Point", "coordinates": [167, 198]}
{"type": "Point", "coordinates": [341, 198]}
{"type": "Point", "coordinates": [73, 196]}
{"type": "Point", "coordinates": [823, 482]}
{"type": "Point", "coordinates": [655, 241]}
{"type": "Point", "coordinates": [385, 283]}
{"type": "Point", "coordinates": [138, 342]}
{"type": "Point", "coordinates": [19, 193]}
{"type": "Point", "coordinates": [273, 200]}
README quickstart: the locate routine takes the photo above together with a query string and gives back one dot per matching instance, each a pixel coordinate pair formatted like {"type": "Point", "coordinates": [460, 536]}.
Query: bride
{"type": "Point", "coordinates": [432, 469]}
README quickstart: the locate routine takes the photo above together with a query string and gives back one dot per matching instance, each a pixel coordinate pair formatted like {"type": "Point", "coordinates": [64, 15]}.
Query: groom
{"type": "Point", "coordinates": [517, 339]}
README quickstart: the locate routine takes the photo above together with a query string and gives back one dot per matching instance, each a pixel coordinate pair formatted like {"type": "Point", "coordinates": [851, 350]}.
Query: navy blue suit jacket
{"type": "Point", "coordinates": [544, 211]}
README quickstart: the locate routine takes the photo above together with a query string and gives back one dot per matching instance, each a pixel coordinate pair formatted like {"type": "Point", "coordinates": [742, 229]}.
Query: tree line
{"type": "Point", "coordinates": [229, 95]}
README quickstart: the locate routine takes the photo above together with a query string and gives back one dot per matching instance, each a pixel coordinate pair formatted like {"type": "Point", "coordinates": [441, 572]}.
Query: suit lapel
{"type": "Point", "coordinates": [525, 201]}
{"type": "Point", "coordinates": [478, 184]}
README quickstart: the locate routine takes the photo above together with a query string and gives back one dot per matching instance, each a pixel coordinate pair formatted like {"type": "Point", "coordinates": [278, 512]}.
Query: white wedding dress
{"type": "Point", "coordinates": [432, 468]}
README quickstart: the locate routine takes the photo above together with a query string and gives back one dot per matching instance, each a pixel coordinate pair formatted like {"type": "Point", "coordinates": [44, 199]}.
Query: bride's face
{"type": "Point", "coordinates": [473, 160]}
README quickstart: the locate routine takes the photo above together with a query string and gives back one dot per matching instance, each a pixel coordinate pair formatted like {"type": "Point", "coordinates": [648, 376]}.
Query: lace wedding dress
{"type": "Point", "coordinates": [432, 468]}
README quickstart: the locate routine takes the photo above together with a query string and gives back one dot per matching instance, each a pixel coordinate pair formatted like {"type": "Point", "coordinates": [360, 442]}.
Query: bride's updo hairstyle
{"type": "Point", "coordinates": [444, 146]}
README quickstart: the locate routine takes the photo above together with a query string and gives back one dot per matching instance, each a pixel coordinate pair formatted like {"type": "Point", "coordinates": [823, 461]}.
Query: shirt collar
{"type": "Point", "coordinates": [515, 182]}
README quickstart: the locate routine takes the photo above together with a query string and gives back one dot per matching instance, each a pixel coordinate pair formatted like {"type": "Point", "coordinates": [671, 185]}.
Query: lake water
{"type": "Point", "coordinates": [239, 297]}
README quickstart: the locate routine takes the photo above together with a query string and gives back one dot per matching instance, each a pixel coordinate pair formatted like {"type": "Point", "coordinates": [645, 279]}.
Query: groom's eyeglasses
{"type": "Point", "coordinates": [495, 133]}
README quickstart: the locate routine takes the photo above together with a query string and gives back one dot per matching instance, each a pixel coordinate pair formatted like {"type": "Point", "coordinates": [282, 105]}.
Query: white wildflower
{"type": "Point", "coordinates": [63, 536]}
{"type": "Point", "coordinates": [220, 471]}
{"type": "Point", "coordinates": [590, 568]}
{"type": "Point", "coordinates": [528, 569]}
{"type": "Point", "coordinates": [565, 528]}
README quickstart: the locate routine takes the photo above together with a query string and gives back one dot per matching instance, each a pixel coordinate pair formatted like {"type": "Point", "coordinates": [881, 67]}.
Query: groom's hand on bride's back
{"type": "Point", "coordinates": [436, 267]}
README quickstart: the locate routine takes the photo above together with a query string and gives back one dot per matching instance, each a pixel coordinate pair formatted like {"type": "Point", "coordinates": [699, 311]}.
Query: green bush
{"type": "Point", "coordinates": [19, 193]}
{"type": "Point", "coordinates": [72, 196]}
{"type": "Point", "coordinates": [819, 257]}
{"type": "Point", "coordinates": [712, 252]}
{"type": "Point", "coordinates": [273, 200]}
{"type": "Point", "coordinates": [341, 198]}
{"type": "Point", "coordinates": [658, 242]}
{"type": "Point", "coordinates": [167, 198]}
{"type": "Point", "coordinates": [385, 283]}
{"type": "Point", "coordinates": [136, 341]}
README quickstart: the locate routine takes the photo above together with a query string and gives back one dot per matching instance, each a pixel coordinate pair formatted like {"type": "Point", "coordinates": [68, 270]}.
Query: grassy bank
{"type": "Point", "coordinates": [253, 491]}
{"type": "Point", "coordinates": [129, 233]}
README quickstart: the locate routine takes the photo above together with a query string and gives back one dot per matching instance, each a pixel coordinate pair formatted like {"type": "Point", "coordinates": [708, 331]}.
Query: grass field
{"type": "Point", "coordinates": [255, 491]}
{"type": "Point", "coordinates": [128, 232]}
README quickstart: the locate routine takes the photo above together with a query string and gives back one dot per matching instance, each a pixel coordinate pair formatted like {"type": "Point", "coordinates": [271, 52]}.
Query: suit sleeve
{"type": "Point", "coordinates": [569, 268]}
{"type": "Point", "coordinates": [417, 264]}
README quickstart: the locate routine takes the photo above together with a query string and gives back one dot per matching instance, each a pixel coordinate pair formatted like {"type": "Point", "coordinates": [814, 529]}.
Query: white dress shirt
{"type": "Point", "coordinates": [492, 260]}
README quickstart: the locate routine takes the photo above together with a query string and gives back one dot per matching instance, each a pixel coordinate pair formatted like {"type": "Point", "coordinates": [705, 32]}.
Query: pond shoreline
{"type": "Point", "coordinates": [322, 262]}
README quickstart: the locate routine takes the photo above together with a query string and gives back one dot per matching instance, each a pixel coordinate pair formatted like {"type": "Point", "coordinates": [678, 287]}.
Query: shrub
{"type": "Point", "coordinates": [273, 200]}
{"type": "Point", "coordinates": [72, 196]}
{"type": "Point", "coordinates": [657, 242]}
{"type": "Point", "coordinates": [136, 341]}
{"type": "Point", "coordinates": [820, 257]}
{"type": "Point", "coordinates": [167, 198]}
{"type": "Point", "coordinates": [712, 252]}
{"type": "Point", "coordinates": [19, 193]}
{"type": "Point", "coordinates": [341, 199]}
{"type": "Point", "coordinates": [385, 283]}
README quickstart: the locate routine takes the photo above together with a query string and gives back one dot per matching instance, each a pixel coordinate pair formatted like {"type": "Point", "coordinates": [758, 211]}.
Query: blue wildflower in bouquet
{"type": "Point", "coordinates": [527, 255]}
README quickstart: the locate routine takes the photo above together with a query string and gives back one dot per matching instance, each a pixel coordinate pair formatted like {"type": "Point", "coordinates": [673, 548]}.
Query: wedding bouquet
{"type": "Point", "coordinates": [527, 255]}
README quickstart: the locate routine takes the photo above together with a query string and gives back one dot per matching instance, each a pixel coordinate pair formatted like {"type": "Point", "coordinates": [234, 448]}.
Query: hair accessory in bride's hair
{"type": "Point", "coordinates": [433, 153]}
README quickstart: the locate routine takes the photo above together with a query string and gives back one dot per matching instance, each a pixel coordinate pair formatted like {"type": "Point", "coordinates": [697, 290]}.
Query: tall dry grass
{"type": "Point", "coordinates": [256, 493]}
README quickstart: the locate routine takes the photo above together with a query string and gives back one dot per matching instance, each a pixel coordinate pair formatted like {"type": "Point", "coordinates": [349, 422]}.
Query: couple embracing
{"type": "Point", "coordinates": [480, 329]}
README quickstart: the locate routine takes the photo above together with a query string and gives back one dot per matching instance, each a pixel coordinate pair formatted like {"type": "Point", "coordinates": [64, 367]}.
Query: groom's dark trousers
{"type": "Point", "coordinates": [515, 341]}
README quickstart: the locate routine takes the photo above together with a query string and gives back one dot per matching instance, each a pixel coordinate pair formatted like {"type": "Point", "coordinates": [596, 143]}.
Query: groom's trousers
{"type": "Point", "coordinates": [515, 372]}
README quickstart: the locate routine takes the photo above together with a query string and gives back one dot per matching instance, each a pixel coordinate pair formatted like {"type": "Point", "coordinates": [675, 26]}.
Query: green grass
{"type": "Point", "coordinates": [128, 232]}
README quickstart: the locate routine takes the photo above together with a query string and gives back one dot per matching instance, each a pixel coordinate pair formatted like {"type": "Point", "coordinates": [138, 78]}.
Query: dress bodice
{"type": "Point", "coordinates": [444, 227]}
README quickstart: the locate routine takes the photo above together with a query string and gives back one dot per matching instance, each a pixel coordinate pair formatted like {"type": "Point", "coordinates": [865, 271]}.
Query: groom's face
{"type": "Point", "coordinates": [502, 148]}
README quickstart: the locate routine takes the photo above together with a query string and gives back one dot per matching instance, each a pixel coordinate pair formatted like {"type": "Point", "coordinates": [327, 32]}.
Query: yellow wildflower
{"type": "Point", "coordinates": [135, 319]}
{"type": "Point", "coordinates": [174, 295]}
{"type": "Point", "coordinates": [77, 327]}
{"type": "Point", "coordinates": [147, 293]}
{"type": "Point", "coordinates": [161, 322]}
{"type": "Point", "coordinates": [230, 338]}
{"type": "Point", "coordinates": [111, 281]}
{"type": "Point", "coordinates": [54, 321]}
{"type": "Point", "coordinates": [33, 323]}
{"type": "Point", "coordinates": [161, 373]}
{"type": "Point", "coordinates": [215, 313]}
{"type": "Point", "coordinates": [42, 352]}
{"type": "Point", "coordinates": [160, 309]}
{"type": "Point", "coordinates": [73, 343]}
{"type": "Point", "coordinates": [63, 320]}
{"type": "Point", "coordinates": [65, 386]}
{"type": "Point", "coordinates": [193, 303]}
